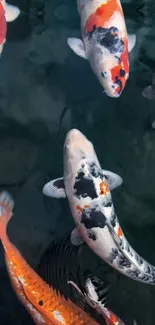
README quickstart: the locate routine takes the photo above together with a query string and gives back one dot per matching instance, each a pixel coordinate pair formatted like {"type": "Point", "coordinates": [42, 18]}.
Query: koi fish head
{"type": "Point", "coordinates": [109, 59]}
{"type": "Point", "coordinates": [76, 148]}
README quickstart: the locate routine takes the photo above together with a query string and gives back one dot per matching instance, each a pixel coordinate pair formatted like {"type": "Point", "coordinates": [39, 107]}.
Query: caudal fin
{"type": "Point", "coordinates": [6, 207]}
{"type": "Point", "coordinates": [97, 292]}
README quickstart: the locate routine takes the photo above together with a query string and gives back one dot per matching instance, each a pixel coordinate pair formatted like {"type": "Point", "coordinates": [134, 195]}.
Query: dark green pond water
{"type": "Point", "coordinates": [45, 90]}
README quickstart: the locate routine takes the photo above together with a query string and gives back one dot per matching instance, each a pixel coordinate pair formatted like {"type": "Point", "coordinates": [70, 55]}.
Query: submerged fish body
{"type": "Point", "coordinates": [105, 43]}
{"type": "Point", "coordinates": [87, 188]}
{"type": "Point", "coordinates": [8, 13]}
{"type": "Point", "coordinates": [45, 305]}
{"type": "Point", "coordinates": [62, 258]}
{"type": "Point", "coordinates": [149, 91]}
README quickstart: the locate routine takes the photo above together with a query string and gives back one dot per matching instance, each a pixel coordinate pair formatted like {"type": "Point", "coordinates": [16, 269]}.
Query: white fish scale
{"type": "Point", "coordinates": [58, 317]}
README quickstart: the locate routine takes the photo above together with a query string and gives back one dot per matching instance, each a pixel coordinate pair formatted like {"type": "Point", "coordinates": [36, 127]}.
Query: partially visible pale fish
{"type": "Point", "coordinates": [149, 91]}
{"type": "Point", "coordinates": [86, 186]}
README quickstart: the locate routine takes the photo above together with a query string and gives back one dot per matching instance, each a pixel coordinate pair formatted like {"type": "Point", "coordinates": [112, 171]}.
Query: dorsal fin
{"type": "Point", "coordinates": [59, 265]}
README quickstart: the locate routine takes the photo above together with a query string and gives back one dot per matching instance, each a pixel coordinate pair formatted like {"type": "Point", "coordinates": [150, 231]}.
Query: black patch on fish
{"type": "Point", "coordinates": [123, 262]}
{"type": "Point", "coordinates": [134, 273]}
{"type": "Point", "coordinates": [122, 72]}
{"type": "Point", "coordinates": [40, 302]}
{"type": "Point", "coordinates": [93, 219]}
{"type": "Point", "coordinates": [113, 221]}
{"type": "Point", "coordinates": [113, 255]}
{"type": "Point", "coordinates": [127, 248]}
{"type": "Point", "coordinates": [59, 184]}
{"type": "Point", "coordinates": [119, 83]}
{"type": "Point", "coordinates": [107, 37]}
{"type": "Point", "coordinates": [84, 186]}
{"type": "Point", "coordinates": [92, 235]}
{"type": "Point", "coordinates": [103, 74]}
{"type": "Point", "coordinates": [140, 261]}
{"type": "Point", "coordinates": [108, 204]}
{"type": "Point", "coordinates": [137, 258]}
{"type": "Point", "coordinates": [95, 171]}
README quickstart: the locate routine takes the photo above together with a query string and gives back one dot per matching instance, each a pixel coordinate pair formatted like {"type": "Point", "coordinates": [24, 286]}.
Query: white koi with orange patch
{"type": "Point", "coordinates": [105, 43]}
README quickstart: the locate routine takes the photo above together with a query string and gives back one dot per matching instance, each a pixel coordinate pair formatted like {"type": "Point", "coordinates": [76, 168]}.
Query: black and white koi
{"type": "Point", "coordinates": [87, 187]}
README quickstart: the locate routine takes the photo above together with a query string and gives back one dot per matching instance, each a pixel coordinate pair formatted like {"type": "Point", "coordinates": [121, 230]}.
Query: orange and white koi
{"type": "Point", "coordinates": [87, 187]}
{"type": "Point", "coordinates": [8, 13]}
{"type": "Point", "coordinates": [105, 43]}
{"type": "Point", "coordinates": [45, 305]}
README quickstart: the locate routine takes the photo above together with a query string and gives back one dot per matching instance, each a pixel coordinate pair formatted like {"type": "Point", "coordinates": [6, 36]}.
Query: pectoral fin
{"type": "Point", "coordinates": [77, 46]}
{"type": "Point", "coordinates": [131, 42]}
{"type": "Point", "coordinates": [76, 238]}
{"type": "Point", "coordinates": [11, 12]}
{"type": "Point", "coordinates": [55, 188]}
{"type": "Point", "coordinates": [113, 179]}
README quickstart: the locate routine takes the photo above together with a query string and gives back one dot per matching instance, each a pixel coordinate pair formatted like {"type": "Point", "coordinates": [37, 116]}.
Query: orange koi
{"type": "Point", "coordinates": [45, 306]}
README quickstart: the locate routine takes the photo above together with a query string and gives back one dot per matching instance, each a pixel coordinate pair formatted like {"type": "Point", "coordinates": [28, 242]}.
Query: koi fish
{"type": "Point", "coordinates": [149, 91]}
{"type": "Point", "coordinates": [8, 13]}
{"type": "Point", "coordinates": [45, 305]}
{"type": "Point", "coordinates": [85, 184]}
{"type": "Point", "coordinates": [105, 43]}
{"type": "Point", "coordinates": [59, 259]}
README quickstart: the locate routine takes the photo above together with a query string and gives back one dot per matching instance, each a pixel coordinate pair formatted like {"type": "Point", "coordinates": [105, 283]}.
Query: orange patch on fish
{"type": "Point", "coordinates": [79, 208]}
{"type": "Point", "coordinates": [119, 232]}
{"type": "Point", "coordinates": [112, 319]}
{"type": "Point", "coordinates": [102, 14]}
{"type": "Point", "coordinates": [86, 206]}
{"type": "Point", "coordinates": [124, 65]}
{"type": "Point", "coordinates": [103, 188]}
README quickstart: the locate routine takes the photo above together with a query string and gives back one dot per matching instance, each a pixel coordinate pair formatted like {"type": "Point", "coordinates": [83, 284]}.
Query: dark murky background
{"type": "Point", "coordinates": [45, 90]}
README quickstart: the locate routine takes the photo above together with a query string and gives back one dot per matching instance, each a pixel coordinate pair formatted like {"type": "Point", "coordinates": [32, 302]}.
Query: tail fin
{"type": "Point", "coordinates": [148, 93]}
{"type": "Point", "coordinates": [6, 207]}
{"type": "Point", "coordinates": [97, 290]}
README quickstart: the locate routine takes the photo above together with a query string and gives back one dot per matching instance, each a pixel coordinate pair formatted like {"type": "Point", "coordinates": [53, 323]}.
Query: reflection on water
{"type": "Point", "coordinates": [44, 91]}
